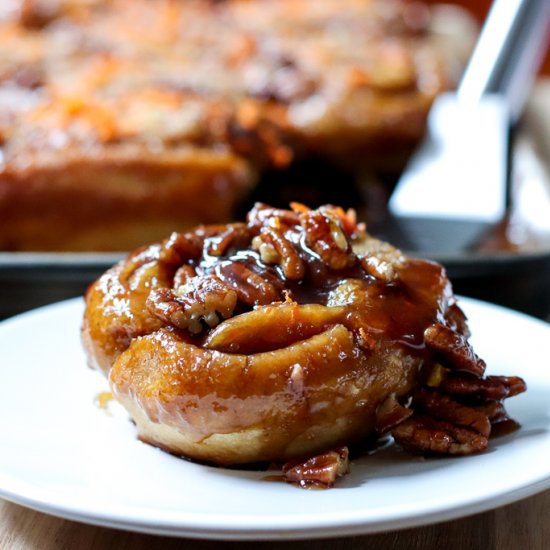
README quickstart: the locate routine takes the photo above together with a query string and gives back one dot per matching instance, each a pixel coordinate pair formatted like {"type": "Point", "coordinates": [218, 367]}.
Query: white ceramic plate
{"type": "Point", "coordinates": [62, 454]}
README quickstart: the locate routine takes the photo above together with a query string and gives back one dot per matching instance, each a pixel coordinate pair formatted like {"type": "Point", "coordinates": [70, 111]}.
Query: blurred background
{"type": "Point", "coordinates": [101, 101]}
{"type": "Point", "coordinates": [479, 9]}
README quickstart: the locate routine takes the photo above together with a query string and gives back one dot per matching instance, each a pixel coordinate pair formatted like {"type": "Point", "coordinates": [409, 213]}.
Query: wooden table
{"type": "Point", "coordinates": [524, 525]}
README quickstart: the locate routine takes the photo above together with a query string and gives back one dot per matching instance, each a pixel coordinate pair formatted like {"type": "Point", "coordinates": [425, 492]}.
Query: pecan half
{"type": "Point", "coordinates": [291, 263]}
{"type": "Point", "coordinates": [183, 274]}
{"type": "Point", "coordinates": [489, 388]}
{"type": "Point", "coordinates": [237, 234]}
{"type": "Point", "coordinates": [390, 414]}
{"type": "Point", "coordinates": [180, 247]}
{"type": "Point", "coordinates": [454, 348]}
{"type": "Point", "coordinates": [457, 320]}
{"type": "Point", "coordinates": [495, 412]}
{"type": "Point", "coordinates": [445, 408]}
{"type": "Point", "coordinates": [425, 434]}
{"type": "Point", "coordinates": [200, 300]}
{"type": "Point", "coordinates": [318, 471]}
{"type": "Point", "coordinates": [251, 288]}
{"type": "Point", "coordinates": [325, 236]}
{"type": "Point", "coordinates": [262, 213]}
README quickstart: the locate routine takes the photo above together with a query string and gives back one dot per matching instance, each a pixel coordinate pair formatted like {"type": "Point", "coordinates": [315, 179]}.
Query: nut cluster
{"type": "Point", "coordinates": [454, 411]}
{"type": "Point", "coordinates": [232, 268]}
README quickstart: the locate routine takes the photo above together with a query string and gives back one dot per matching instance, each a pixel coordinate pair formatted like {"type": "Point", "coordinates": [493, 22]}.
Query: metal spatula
{"type": "Point", "coordinates": [455, 186]}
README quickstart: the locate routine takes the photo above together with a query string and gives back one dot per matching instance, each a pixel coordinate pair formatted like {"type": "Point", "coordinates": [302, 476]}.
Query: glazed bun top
{"type": "Point", "coordinates": [194, 281]}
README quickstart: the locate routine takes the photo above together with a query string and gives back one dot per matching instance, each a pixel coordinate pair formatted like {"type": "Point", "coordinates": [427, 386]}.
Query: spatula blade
{"type": "Point", "coordinates": [455, 186]}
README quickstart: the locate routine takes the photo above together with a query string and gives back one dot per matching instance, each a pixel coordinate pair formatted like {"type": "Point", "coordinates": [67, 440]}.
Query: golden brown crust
{"type": "Point", "coordinates": [301, 399]}
{"type": "Point", "coordinates": [115, 200]}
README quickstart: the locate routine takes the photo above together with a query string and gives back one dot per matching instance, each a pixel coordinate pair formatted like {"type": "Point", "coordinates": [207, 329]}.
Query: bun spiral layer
{"type": "Point", "coordinates": [285, 337]}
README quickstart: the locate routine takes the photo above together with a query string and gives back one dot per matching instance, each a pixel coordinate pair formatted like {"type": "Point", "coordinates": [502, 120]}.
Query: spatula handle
{"type": "Point", "coordinates": [508, 53]}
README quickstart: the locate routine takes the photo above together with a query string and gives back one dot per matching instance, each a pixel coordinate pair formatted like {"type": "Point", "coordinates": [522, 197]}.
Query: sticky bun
{"type": "Point", "coordinates": [286, 339]}
{"type": "Point", "coordinates": [118, 116]}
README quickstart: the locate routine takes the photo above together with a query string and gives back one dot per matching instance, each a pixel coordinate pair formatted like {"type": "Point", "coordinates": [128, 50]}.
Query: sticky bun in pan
{"type": "Point", "coordinates": [118, 116]}
{"type": "Point", "coordinates": [289, 338]}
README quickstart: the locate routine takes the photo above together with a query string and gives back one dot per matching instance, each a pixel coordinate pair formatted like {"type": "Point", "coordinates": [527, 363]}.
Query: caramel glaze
{"type": "Point", "coordinates": [397, 310]}
{"type": "Point", "coordinates": [303, 362]}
